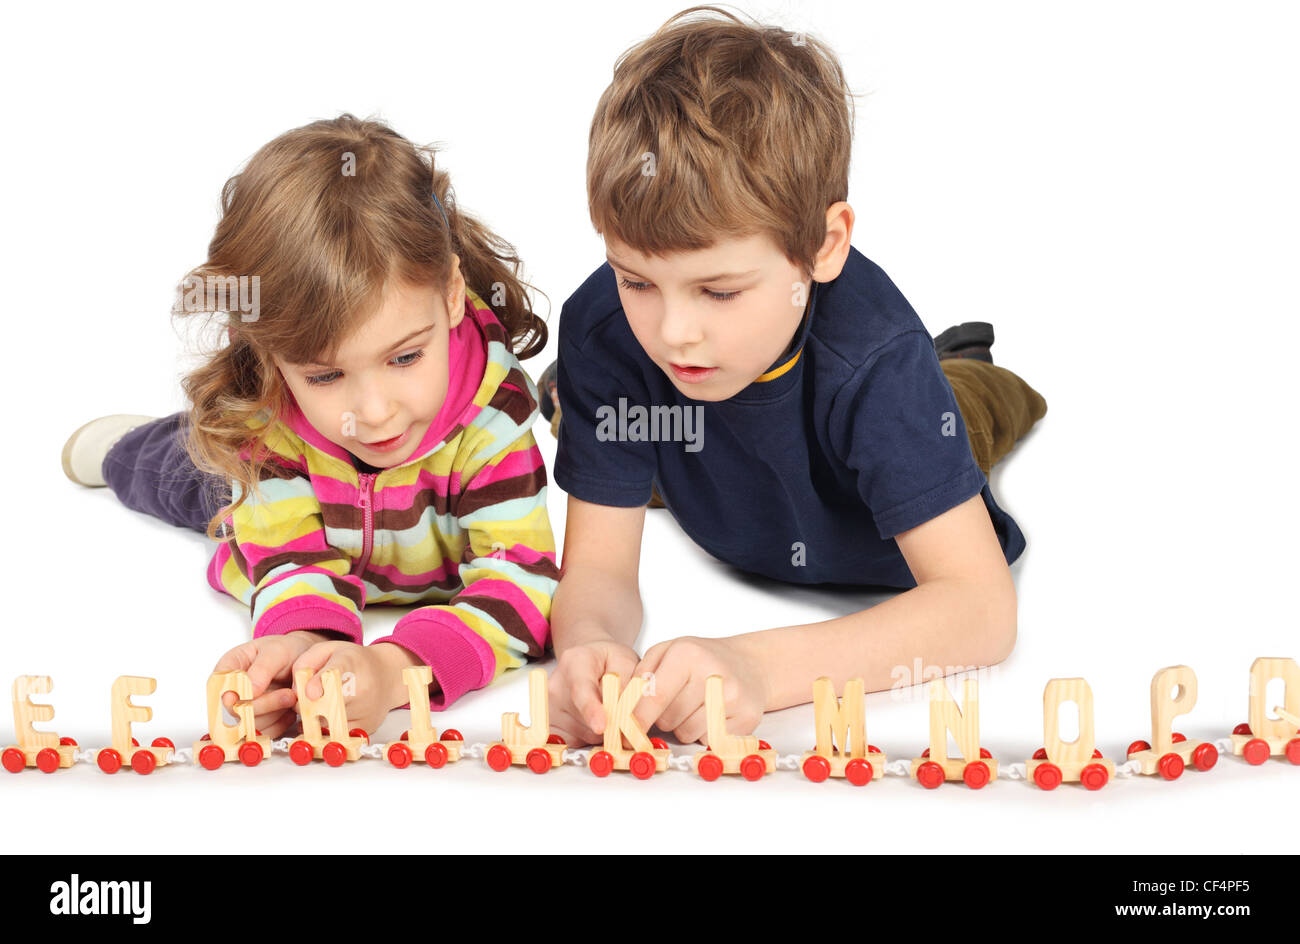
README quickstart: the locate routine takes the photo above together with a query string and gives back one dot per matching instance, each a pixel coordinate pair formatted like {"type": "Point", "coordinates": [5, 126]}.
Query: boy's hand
{"type": "Point", "coordinates": [680, 667]}
{"type": "Point", "coordinates": [268, 661]}
{"type": "Point", "coordinates": [577, 712]}
{"type": "Point", "coordinates": [376, 686]}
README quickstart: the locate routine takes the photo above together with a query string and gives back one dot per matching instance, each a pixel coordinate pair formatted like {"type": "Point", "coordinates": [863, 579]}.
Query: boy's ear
{"type": "Point", "coordinates": [835, 247]}
{"type": "Point", "coordinates": [455, 296]}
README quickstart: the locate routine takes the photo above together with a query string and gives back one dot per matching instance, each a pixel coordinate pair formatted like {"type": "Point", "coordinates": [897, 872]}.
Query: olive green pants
{"type": "Point", "coordinates": [998, 407]}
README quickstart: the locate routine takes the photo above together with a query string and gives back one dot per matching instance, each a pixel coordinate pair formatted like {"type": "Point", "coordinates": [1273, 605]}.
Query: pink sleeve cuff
{"type": "Point", "coordinates": [308, 613]}
{"type": "Point", "coordinates": [439, 640]}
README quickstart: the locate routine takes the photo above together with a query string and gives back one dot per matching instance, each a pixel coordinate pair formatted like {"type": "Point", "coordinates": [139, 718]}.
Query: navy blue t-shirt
{"type": "Point", "coordinates": [806, 477]}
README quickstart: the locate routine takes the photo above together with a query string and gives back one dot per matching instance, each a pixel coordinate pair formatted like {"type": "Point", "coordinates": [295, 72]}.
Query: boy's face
{"type": "Point", "coordinates": [712, 319]}
{"type": "Point", "coordinates": [390, 379]}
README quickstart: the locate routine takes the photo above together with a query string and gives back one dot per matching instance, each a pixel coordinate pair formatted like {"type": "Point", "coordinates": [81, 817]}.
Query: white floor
{"type": "Point", "coordinates": [1115, 192]}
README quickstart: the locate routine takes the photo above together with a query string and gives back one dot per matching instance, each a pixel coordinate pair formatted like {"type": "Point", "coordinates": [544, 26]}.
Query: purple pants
{"type": "Point", "coordinates": [149, 471]}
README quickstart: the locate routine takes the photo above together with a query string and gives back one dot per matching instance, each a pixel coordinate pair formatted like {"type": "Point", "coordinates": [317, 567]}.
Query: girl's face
{"type": "Point", "coordinates": [390, 379]}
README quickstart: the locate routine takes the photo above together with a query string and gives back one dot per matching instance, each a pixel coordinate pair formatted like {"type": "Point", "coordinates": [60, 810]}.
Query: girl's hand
{"type": "Point", "coordinates": [679, 668]}
{"type": "Point", "coordinates": [376, 686]}
{"type": "Point", "coordinates": [268, 661]}
{"type": "Point", "coordinates": [576, 709]}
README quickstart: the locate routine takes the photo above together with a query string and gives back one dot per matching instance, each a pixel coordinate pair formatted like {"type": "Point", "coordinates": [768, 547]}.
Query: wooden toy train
{"type": "Point", "coordinates": [841, 748]}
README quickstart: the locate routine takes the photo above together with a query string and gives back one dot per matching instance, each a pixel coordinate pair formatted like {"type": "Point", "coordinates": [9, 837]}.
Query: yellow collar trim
{"type": "Point", "coordinates": [776, 372]}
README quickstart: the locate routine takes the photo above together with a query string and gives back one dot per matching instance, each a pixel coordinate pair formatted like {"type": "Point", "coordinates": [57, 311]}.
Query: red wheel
{"type": "Point", "coordinates": [334, 754]}
{"type": "Point", "coordinates": [1205, 756]}
{"type": "Point", "coordinates": [872, 749]}
{"type": "Point", "coordinates": [300, 753]}
{"type": "Point", "coordinates": [406, 735]}
{"type": "Point", "coordinates": [163, 742]}
{"type": "Point", "coordinates": [47, 760]}
{"type": "Point", "coordinates": [1040, 754]}
{"type": "Point", "coordinates": [986, 753]}
{"type": "Point", "coordinates": [211, 757]}
{"type": "Point", "coordinates": [659, 744]}
{"type": "Point", "coordinates": [358, 733]}
{"type": "Point", "coordinates": [976, 774]}
{"type": "Point", "coordinates": [1047, 776]}
{"type": "Point", "coordinates": [929, 775]}
{"type": "Point", "coordinates": [1137, 746]}
{"type": "Point", "coordinates": [498, 757]}
{"type": "Point", "coordinates": [399, 755]}
{"type": "Point", "coordinates": [926, 752]}
{"type": "Point", "coordinates": [752, 767]}
{"type": "Point", "coordinates": [1171, 767]}
{"type": "Point", "coordinates": [1293, 750]}
{"type": "Point", "coordinates": [1255, 751]}
{"type": "Point", "coordinates": [1094, 776]}
{"type": "Point", "coordinates": [109, 760]}
{"type": "Point", "coordinates": [554, 739]}
{"type": "Point", "coordinates": [601, 763]}
{"type": "Point", "coordinates": [858, 771]}
{"type": "Point", "coordinates": [816, 768]}
{"type": "Point", "coordinates": [435, 755]}
{"type": "Point", "coordinates": [709, 767]}
{"type": "Point", "coordinates": [451, 734]}
{"type": "Point", "coordinates": [143, 762]}
{"type": "Point", "coordinates": [763, 745]}
{"type": "Point", "coordinates": [206, 737]}
{"type": "Point", "coordinates": [14, 760]}
{"type": "Point", "coordinates": [250, 753]}
{"type": "Point", "coordinates": [134, 742]}
{"type": "Point", "coordinates": [642, 765]}
{"type": "Point", "coordinates": [1096, 752]}
{"type": "Point", "coordinates": [538, 760]}
{"type": "Point", "coordinates": [67, 742]}
{"type": "Point", "coordinates": [1242, 728]}
{"type": "Point", "coordinates": [1179, 738]}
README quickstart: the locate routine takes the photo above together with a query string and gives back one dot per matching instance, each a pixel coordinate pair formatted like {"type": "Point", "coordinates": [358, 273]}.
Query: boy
{"type": "Point", "coordinates": [737, 355]}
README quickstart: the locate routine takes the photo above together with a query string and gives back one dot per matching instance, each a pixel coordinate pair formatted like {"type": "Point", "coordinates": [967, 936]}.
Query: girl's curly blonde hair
{"type": "Point", "coordinates": [323, 217]}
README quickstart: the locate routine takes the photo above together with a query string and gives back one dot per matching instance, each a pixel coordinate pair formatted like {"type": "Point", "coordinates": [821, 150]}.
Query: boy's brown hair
{"type": "Point", "coordinates": [713, 128]}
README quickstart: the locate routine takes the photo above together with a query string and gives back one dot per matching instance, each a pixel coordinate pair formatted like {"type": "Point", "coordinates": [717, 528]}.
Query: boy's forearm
{"type": "Point", "coordinates": [592, 605]}
{"type": "Point", "coordinates": [949, 624]}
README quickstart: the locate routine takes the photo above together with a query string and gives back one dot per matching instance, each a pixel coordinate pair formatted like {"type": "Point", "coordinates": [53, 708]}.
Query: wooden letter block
{"type": "Point", "coordinates": [336, 747]}
{"type": "Point", "coordinates": [1263, 737]}
{"type": "Point", "coordinates": [125, 712]}
{"type": "Point", "coordinates": [43, 750]}
{"type": "Point", "coordinates": [626, 746]}
{"type": "Point", "coordinates": [420, 741]}
{"type": "Point", "coordinates": [1061, 760]}
{"type": "Point", "coordinates": [842, 749]}
{"type": "Point", "coordinates": [226, 742]}
{"type": "Point", "coordinates": [976, 766]}
{"type": "Point", "coordinates": [1172, 752]}
{"type": "Point", "coordinates": [729, 753]}
{"type": "Point", "coordinates": [531, 745]}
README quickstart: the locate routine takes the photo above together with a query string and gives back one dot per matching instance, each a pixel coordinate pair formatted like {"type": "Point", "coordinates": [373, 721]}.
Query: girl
{"type": "Point", "coordinates": [364, 437]}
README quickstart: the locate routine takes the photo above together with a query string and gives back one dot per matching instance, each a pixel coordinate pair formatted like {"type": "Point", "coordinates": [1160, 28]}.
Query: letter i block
{"type": "Point", "coordinates": [640, 754]}
{"type": "Point", "coordinates": [316, 741]}
{"type": "Point", "coordinates": [1263, 737]}
{"type": "Point", "coordinates": [1060, 760]}
{"type": "Point", "coordinates": [842, 749]}
{"type": "Point", "coordinates": [977, 766]}
{"type": "Point", "coordinates": [43, 750]}
{"type": "Point", "coordinates": [143, 759]}
{"type": "Point", "coordinates": [420, 741]}
{"type": "Point", "coordinates": [729, 753]}
{"type": "Point", "coordinates": [226, 742]}
{"type": "Point", "coordinates": [532, 745]}
{"type": "Point", "coordinates": [1169, 752]}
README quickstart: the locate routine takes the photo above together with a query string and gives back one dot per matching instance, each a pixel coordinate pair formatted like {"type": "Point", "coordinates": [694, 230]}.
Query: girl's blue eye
{"type": "Point", "coordinates": [403, 360]}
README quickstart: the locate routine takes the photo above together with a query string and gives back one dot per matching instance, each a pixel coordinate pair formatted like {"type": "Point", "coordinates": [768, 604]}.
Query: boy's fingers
{"type": "Point", "coordinates": [585, 696]}
{"type": "Point", "coordinates": [668, 680]}
{"type": "Point", "coordinates": [694, 728]}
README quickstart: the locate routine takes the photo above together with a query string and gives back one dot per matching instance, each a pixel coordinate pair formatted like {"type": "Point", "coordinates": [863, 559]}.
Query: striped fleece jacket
{"type": "Point", "coordinates": [461, 524]}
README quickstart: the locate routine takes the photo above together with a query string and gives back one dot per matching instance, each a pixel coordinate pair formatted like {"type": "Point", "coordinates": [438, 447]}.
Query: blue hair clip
{"type": "Point", "coordinates": [438, 204]}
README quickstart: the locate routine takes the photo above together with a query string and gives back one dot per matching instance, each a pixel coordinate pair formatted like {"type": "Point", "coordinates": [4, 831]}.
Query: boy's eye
{"type": "Point", "coordinates": [634, 286]}
{"type": "Point", "coordinates": [642, 286]}
{"type": "Point", "coordinates": [402, 360]}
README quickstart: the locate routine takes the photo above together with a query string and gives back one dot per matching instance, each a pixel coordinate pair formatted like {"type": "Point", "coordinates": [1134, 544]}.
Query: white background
{"type": "Point", "coordinates": [1112, 185]}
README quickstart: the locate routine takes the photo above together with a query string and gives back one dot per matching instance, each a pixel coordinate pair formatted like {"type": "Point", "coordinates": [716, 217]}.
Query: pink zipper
{"type": "Point", "coordinates": [365, 501]}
